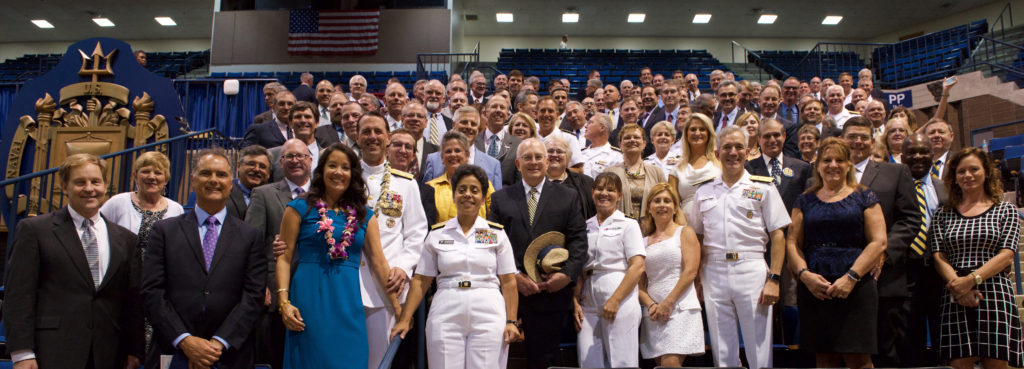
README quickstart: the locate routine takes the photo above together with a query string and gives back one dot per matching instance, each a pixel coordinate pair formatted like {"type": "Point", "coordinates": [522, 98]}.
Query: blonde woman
{"type": "Point", "coordinates": [750, 122]}
{"type": "Point", "coordinates": [896, 131]}
{"type": "Point", "coordinates": [698, 162]}
{"type": "Point", "coordinates": [663, 135]}
{"type": "Point", "coordinates": [637, 176]}
{"type": "Point", "coordinates": [522, 126]}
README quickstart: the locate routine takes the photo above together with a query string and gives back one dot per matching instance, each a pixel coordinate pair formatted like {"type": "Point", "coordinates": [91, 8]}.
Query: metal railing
{"type": "Point", "coordinates": [1001, 22]}
{"type": "Point", "coordinates": [752, 58]}
{"type": "Point", "coordinates": [833, 58]}
{"type": "Point", "coordinates": [990, 53]}
{"type": "Point", "coordinates": [16, 201]}
{"type": "Point", "coordinates": [429, 64]}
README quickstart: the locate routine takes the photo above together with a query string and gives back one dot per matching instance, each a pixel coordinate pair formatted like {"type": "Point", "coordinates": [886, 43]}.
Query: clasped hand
{"type": "Point", "coordinates": [201, 353]}
{"type": "Point", "coordinates": [553, 282]}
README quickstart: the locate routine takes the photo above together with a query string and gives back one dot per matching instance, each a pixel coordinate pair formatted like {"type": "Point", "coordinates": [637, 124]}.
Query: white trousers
{"type": "Point", "coordinates": [378, 330]}
{"type": "Point", "coordinates": [466, 328]}
{"type": "Point", "coordinates": [731, 291]}
{"type": "Point", "coordinates": [603, 343]}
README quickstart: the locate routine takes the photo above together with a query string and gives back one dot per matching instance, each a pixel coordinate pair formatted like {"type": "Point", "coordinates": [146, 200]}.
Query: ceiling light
{"type": "Point", "coordinates": [165, 21]}
{"type": "Point", "coordinates": [832, 20]}
{"type": "Point", "coordinates": [767, 19]}
{"type": "Point", "coordinates": [103, 22]}
{"type": "Point", "coordinates": [636, 17]}
{"type": "Point", "coordinates": [701, 18]}
{"type": "Point", "coordinates": [42, 23]}
{"type": "Point", "coordinates": [570, 17]}
{"type": "Point", "coordinates": [504, 17]}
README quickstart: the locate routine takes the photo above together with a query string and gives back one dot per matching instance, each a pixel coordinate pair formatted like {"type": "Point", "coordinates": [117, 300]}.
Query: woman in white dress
{"type": "Point", "coordinates": [607, 310]}
{"type": "Point", "coordinates": [672, 328]}
{"type": "Point", "coordinates": [698, 163]}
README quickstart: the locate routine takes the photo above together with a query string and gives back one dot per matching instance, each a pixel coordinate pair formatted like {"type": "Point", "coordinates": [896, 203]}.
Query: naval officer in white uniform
{"type": "Point", "coordinates": [395, 198]}
{"type": "Point", "coordinates": [608, 299]}
{"type": "Point", "coordinates": [731, 215]}
{"type": "Point", "coordinates": [473, 315]}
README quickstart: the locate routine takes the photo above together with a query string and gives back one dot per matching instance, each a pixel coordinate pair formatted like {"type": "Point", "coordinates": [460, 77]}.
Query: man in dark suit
{"type": "Point", "coordinates": [544, 307]}
{"type": "Point", "coordinates": [414, 118]}
{"type": "Point", "coordinates": [477, 89]}
{"type": "Point", "coordinates": [204, 277]}
{"type": "Point", "coordinates": [72, 284]}
{"type": "Point", "coordinates": [788, 108]}
{"type": "Point", "coordinates": [344, 117]}
{"type": "Point", "coordinates": [768, 101]}
{"type": "Point", "coordinates": [264, 214]}
{"type": "Point", "coordinates": [269, 91]}
{"type": "Point", "coordinates": [727, 112]}
{"type": "Point", "coordinates": [302, 120]}
{"type": "Point", "coordinates": [253, 169]}
{"type": "Point", "coordinates": [652, 113]}
{"type": "Point", "coordinates": [923, 281]}
{"type": "Point", "coordinates": [273, 133]}
{"type": "Point", "coordinates": [792, 175]}
{"type": "Point", "coordinates": [496, 142]}
{"type": "Point", "coordinates": [305, 90]}
{"type": "Point", "coordinates": [895, 189]}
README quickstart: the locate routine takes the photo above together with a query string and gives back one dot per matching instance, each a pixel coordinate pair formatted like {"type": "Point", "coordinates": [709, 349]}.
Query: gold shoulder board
{"type": "Point", "coordinates": [495, 225]}
{"type": "Point", "coordinates": [402, 174]}
{"type": "Point", "coordinates": [436, 226]}
{"type": "Point", "coordinates": [762, 179]}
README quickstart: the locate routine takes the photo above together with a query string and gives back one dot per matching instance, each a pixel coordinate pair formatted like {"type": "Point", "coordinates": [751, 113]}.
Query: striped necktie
{"type": "Point", "coordinates": [918, 246]}
{"type": "Point", "coordinates": [92, 251]}
{"type": "Point", "coordinates": [434, 137]}
{"type": "Point", "coordinates": [531, 204]}
{"type": "Point", "coordinates": [935, 169]}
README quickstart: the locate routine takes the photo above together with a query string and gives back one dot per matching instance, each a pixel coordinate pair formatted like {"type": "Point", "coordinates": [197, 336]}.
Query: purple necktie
{"type": "Point", "coordinates": [210, 240]}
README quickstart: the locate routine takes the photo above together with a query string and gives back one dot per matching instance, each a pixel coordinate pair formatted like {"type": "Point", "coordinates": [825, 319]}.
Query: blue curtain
{"type": "Point", "coordinates": [206, 105]}
{"type": "Point", "coordinates": [7, 93]}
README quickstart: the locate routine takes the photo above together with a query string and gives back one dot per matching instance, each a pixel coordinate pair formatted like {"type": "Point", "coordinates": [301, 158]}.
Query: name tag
{"type": "Point", "coordinates": [446, 242]}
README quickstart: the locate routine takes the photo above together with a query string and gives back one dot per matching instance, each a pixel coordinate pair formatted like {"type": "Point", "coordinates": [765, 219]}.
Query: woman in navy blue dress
{"type": "Point", "coordinates": [836, 238]}
{"type": "Point", "coordinates": [327, 231]}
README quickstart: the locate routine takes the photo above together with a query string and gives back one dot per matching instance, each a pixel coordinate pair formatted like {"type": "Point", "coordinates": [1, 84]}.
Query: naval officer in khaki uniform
{"type": "Point", "coordinates": [395, 198]}
{"type": "Point", "coordinates": [731, 215]}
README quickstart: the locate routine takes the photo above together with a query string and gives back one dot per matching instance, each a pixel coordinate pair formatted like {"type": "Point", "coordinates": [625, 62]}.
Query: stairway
{"type": "Point", "coordinates": [1000, 54]}
{"type": "Point", "coordinates": [749, 72]}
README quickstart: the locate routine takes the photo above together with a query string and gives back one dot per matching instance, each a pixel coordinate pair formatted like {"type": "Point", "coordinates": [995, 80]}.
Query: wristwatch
{"type": "Point", "coordinates": [513, 322]}
{"type": "Point", "coordinates": [774, 277]}
{"type": "Point", "coordinates": [977, 279]}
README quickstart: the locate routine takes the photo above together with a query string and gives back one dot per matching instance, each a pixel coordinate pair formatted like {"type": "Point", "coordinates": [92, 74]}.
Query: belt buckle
{"type": "Point", "coordinates": [465, 284]}
{"type": "Point", "coordinates": [732, 256]}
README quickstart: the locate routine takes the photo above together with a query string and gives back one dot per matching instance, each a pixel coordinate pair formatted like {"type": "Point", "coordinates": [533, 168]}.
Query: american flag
{"type": "Point", "coordinates": [313, 32]}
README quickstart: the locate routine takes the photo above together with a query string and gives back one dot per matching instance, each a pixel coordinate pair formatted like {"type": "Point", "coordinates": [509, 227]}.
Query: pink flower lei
{"type": "Point", "coordinates": [336, 247]}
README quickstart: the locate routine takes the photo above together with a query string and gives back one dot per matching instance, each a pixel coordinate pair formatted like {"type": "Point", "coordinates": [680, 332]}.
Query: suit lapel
{"type": "Point", "coordinates": [64, 230]}
{"type": "Point", "coordinates": [274, 131]}
{"type": "Point", "coordinates": [190, 228]}
{"type": "Point", "coordinates": [524, 213]}
{"type": "Point", "coordinates": [284, 195]}
{"type": "Point", "coordinates": [118, 252]}
{"type": "Point", "coordinates": [869, 173]}
{"type": "Point", "coordinates": [758, 167]}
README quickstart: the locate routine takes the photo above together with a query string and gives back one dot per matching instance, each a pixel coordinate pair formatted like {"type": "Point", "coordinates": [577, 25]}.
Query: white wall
{"type": "Point", "coordinates": [13, 50]}
{"type": "Point", "coordinates": [989, 12]}
{"type": "Point", "coordinates": [720, 48]}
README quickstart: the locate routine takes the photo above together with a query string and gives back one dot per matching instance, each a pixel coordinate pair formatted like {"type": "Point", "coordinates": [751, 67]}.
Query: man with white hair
{"type": "Point", "coordinates": [600, 154]}
{"type": "Point", "coordinates": [437, 123]}
{"type": "Point", "coordinates": [305, 90]}
{"type": "Point", "coordinates": [478, 88]}
{"type": "Point", "coordinates": [356, 87]}
{"type": "Point", "coordinates": [324, 92]}
{"type": "Point", "coordinates": [716, 77]}
{"type": "Point", "coordinates": [692, 87]}
{"type": "Point", "coordinates": [395, 98]}
{"type": "Point", "coordinates": [834, 100]}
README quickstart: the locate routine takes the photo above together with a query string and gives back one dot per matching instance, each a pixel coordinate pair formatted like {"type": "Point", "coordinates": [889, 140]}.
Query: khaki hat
{"type": "Point", "coordinates": [545, 255]}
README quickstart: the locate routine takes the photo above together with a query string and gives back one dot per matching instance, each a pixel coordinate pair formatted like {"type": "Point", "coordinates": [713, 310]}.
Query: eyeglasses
{"type": "Point", "coordinates": [290, 157]}
{"type": "Point", "coordinates": [399, 145]}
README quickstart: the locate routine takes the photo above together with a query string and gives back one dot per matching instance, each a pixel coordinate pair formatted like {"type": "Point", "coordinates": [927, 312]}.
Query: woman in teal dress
{"type": "Point", "coordinates": [328, 230]}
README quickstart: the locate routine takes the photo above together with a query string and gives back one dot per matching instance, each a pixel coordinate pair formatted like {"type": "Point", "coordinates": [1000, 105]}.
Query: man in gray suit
{"type": "Point", "coordinates": [895, 189]}
{"type": "Point", "coordinates": [496, 142]}
{"type": "Point", "coordinates": [265, 211]}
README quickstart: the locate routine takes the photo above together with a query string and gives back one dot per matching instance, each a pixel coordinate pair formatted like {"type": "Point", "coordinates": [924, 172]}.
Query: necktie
{"type": "Point", "coordinates": [776, 171]}
{"type": "Point", "coordinates": [433, 130]}
{"type": "Point", "coordinates": [531, 204]}
{"type": "Point", "coordinates": [288, 133]}
{"type": "Point", "coordinates": [671, 118]}
{"type": "Point", "coordinates": [725, 120]}
{"type": "Point", "coordinates": [935, 169]}
{"type": "Point", "coordinates": [922, 234]}
{"type": "Point", "coordinates": [210, 240]}
{"type": "Point", "coordinates": [92, 251]}
{"type": "Point", "coordinates": [298, 191]}
{"type": "Point", "coordinates": [323, 113]}
{"type": "Point", "coordinates": [492, 149]}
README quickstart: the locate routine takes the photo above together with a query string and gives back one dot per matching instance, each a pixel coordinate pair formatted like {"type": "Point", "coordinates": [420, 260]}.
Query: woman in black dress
{"type": "Point", "coordinates": [974, 239]}
{"type": "Point", "coordinates": [837, 235]}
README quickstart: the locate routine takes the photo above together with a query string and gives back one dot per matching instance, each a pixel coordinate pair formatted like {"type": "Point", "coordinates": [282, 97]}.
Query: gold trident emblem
{"type": "Point", "coordinates": [101, 65]}
{"type": "Point", "coordinates": [97, 59]}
